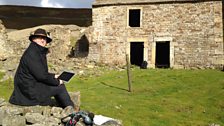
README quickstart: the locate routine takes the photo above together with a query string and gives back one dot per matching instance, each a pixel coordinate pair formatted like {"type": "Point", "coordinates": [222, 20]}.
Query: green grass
{"type": "Point", "coordinates": [6, 87]}
{"type": "Point", "coordinates": [160, 97]}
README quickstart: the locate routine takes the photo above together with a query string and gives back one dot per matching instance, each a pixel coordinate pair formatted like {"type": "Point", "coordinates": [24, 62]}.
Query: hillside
{"type": "Point", "coordinates": [21, 17]}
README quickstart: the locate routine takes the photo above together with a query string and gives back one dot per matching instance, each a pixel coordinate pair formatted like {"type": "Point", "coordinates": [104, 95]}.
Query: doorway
{"type": "Point", "coordinates": [137, 53]}
{"type": "Point", "coordinates": [163, 54]}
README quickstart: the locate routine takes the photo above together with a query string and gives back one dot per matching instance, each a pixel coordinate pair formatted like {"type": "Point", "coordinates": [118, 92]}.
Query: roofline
{"type": "Point", "coordinates": [95, 5]}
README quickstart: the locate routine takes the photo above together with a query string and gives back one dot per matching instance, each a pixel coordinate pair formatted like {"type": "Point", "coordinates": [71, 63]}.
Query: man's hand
{"type": "Point", "coordinates": [61, 82]}
{"type": "Point", "coordinates": [56, 76]}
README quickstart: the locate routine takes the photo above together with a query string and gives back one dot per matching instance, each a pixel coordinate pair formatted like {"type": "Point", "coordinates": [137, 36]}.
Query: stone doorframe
{"type": "Point", "coordinates": [162, 39]}
{"type": "Point", "coordinates": [144, 40]}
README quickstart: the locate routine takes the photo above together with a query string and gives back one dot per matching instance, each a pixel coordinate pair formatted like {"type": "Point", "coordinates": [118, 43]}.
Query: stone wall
{"type": "Point", "coordinates": [35, 115]}
{"type": "Point", "coordinates": [5, 51]}
{"type": "Point", "coordinates": [14, 115]}
{"type": "Point", "coordinates": [194, 30]}
{"type": "Point", "coordinates": [65, 37]}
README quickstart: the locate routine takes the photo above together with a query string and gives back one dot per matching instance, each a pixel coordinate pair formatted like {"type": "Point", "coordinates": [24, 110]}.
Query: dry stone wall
{"type": "Point", "coordinates": [35, 115]}
{"type": "Point", "coordinates": [65, 37]}
{"type": "Point", "coordinates": [66, 50]}
{"type": "Point", "coordinates": [195, 32]}
{"type": "Point", "coordinates": [14, 115]}
{"type": "Point", "coordinates": [5, 51]}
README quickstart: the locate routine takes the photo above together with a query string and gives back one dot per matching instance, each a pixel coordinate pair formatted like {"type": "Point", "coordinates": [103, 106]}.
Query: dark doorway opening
{"type": "Point", "coordinates": [137, 53]}
{"type": "Point", "coordinates": [81, 48]}
{"type": "Point", "coordinates": [163, 54]}
{"type": "Point", "coordinates": [134, 17]}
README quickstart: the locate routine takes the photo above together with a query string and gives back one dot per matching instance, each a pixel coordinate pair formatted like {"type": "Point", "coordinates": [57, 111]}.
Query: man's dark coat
{"type": "Point", "coordinates": [32, 80]}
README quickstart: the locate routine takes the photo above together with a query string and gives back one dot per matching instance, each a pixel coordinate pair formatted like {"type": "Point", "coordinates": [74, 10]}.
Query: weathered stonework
{"type": "Point", "coordinates": [194, 30]}
{"type": "Point", "coordinates": [4, 48]}
{"type": "Point", "coordinates": [41, 115]}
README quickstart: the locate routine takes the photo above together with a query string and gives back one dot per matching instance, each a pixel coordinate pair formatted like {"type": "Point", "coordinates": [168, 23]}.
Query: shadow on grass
{"type": "Point", "coordinates": [105, 84]}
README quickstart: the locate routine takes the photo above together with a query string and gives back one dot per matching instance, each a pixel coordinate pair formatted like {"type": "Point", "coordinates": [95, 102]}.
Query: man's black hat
{"type": "Point", "coordinates": [40, 33]}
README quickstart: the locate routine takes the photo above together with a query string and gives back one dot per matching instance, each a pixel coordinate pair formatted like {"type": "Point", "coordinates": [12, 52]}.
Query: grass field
{"type": "Point", "coordinates": [160, 97]}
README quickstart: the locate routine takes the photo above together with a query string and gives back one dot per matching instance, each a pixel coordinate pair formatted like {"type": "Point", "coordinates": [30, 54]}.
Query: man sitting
{"type": "Point", "coordinates": [33, 84]}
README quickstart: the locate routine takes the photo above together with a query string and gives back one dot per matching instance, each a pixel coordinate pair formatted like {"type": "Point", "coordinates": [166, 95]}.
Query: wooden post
{"type": "Point", "coordinates": [129, 73]}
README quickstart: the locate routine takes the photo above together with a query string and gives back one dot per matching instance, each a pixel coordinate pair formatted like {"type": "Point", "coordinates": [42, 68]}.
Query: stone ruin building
{"type": "Point", "coordinates": [165, 33]}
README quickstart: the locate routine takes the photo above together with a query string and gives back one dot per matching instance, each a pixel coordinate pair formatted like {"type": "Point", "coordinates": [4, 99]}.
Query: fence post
{"type": "Point", "coordinates": [129, 73]}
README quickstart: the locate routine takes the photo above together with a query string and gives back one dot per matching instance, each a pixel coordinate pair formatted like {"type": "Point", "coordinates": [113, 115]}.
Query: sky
{"type": "Point", "coordinates": [50, 3]}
